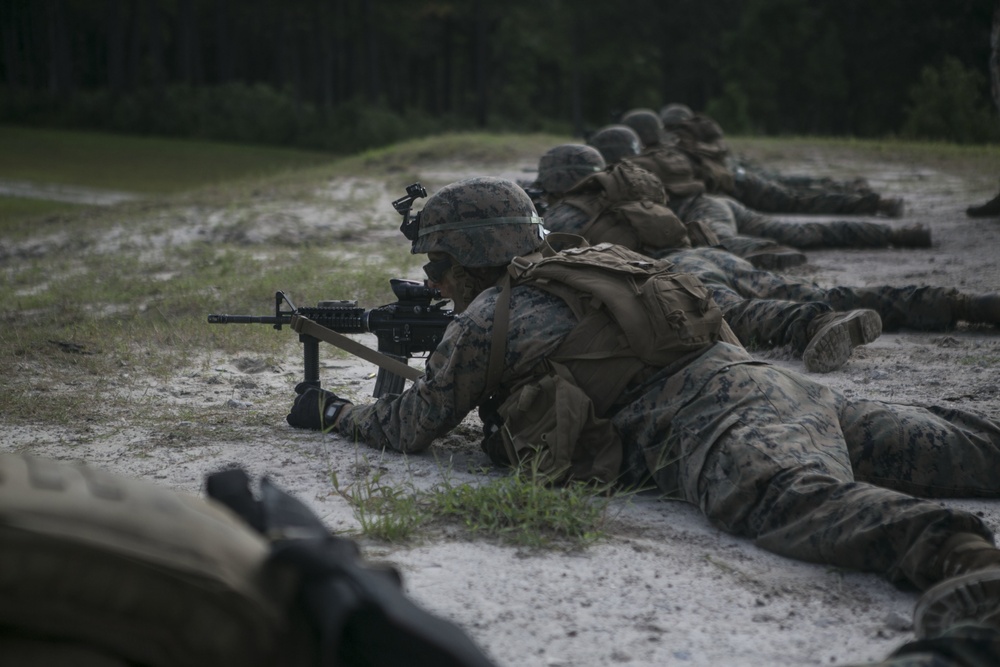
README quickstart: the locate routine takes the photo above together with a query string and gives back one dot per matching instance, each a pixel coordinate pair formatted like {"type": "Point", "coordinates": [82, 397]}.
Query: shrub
{"type": "Point", "coordinates": [947, 104]}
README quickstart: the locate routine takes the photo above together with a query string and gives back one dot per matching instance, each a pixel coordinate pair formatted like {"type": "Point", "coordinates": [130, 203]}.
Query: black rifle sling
{"type": "Point", "coordinates": [304, 325]}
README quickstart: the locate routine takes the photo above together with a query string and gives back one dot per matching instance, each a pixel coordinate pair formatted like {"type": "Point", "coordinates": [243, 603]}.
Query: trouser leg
{"type": "Point", "coordinates": [930, 452]}
{"type": "Point", "coordinates": [781, 476]}
{"type": "Point", "coordinates": [912, 307]}
{"type": "Point", "coordinates": [768, 323]}
{"type": "Point", "coordinates": [771, 197]}
{"type": "Point", "coordinates": [812, 234]}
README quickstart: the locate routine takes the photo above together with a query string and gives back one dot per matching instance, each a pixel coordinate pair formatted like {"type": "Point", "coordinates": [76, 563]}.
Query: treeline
{"type": "Point", "coordinates": [347, 74]}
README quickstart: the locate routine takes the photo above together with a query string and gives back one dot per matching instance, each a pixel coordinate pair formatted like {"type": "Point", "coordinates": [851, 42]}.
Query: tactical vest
{"type": "Point", "coordinates": [626, 205]}
{"type": "Point", "coordinates": [672, 167]}
{"type": "Point", "coordinates": [707, 159]}
{"type": "Point", "coordinates": [633, 313]}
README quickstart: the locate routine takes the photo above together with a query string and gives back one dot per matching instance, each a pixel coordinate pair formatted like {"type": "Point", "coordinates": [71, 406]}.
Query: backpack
{"type": "Point", "coordinates": [627, 206]}
{"type": "Point", "coordinates": [633, 313]}
{"type": "Point", "coordinates": [673, 167]}
{"type": "Point", "coordinates": [113, 570]}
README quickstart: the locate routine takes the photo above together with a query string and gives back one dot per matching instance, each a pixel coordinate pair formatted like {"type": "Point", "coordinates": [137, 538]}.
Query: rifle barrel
{"type": "Point", "coordinates": [247, 319]}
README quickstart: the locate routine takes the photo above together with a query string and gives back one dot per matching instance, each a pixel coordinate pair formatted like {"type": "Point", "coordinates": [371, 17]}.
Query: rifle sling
{"type": "Point", "coordinates": [305, 326]}
{"type": "Point", "coordinates": [498, 345]}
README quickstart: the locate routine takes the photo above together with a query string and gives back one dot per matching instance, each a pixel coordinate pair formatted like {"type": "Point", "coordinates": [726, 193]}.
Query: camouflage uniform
{"type": "Point", "coordinates": [799, 181]}
{"type": "Point", "coordinates": [964, 645]}
{"type": "Point", "coordinates": [771, 196]}
{"type": "Point", "coordinates": [764, 452]}
{"type": "Point", "coordinates": [700, 138]}
{"type": "Point", "coordinates": [768, 309]}
{"type": "Point", "coordinates": [728, 217]}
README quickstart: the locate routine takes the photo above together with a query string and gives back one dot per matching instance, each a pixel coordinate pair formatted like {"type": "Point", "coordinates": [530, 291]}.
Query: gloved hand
{"type": "Point", "coordinates": [314, 408]}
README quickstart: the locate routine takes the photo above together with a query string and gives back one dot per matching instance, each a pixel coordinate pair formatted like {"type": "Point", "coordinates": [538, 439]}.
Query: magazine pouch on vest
{"type": "Point", "coordinates": [627, 206]}
{"type": "Point", "coordinates": [549, 427]}
{"type": "Point", "coordinates": [663, 315]}
{"type": "Point", "coordinates": [97, 569]}
{"type": "Point", "coordinates": [633, 312]}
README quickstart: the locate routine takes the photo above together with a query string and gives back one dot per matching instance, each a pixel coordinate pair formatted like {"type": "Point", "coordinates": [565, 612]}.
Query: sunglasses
{"type": "Point", "coordinates": [436, 268]}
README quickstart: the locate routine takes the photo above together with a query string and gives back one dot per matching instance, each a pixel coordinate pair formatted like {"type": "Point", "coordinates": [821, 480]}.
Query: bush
{"type": "Point", "coordinates": [237, 112]}
{"type": "Point", "coordinates": [731, 110]}
{"type": "Point", "coordinates": [947, 104]}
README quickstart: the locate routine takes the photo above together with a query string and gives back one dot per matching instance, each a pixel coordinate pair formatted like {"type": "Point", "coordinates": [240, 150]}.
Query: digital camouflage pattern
{"type": "Point", "coordinates": [728, 218]}
{"type": "Point", "coordinates": [495, 219]}
{"type": "Point", "coordinates": [767, 309]}
{"type": "Point", "coordinates": [675, 113]}
{"type": "Point", "coordinates": [965, 645]}
{"type": "Point", "coordinates": [562, 167]}
{"type": "Point", "coordinates": [700, 139]}
{"type": "Point", "coordinates": [673, 168]}
{"type": "Point", "coordinates": [615, 142]}
{"type": "Point", "coordinates": [771, 196]}
{"type": "Point", "coordinates": [647, 125]}
{"type": "Point", "coordinates": [766, 453]}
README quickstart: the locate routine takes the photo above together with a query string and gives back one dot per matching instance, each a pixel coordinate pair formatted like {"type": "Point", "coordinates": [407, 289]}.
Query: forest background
{"type": "Point", "coordinates": [345, 75]}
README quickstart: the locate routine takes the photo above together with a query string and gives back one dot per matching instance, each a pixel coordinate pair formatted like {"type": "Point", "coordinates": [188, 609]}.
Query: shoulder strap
{"type": "Point", "coordinates": [498, 344]}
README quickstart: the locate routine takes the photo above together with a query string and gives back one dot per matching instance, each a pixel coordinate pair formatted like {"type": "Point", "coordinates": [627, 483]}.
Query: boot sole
{"type": "Point", "coordinates": [970, 597]}
{"type": "Point", "coordinates": [832, 345]}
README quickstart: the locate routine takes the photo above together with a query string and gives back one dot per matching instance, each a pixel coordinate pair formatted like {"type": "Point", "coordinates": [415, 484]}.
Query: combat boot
{"type": "Point", "coordinates": [915, 236]}
{"type": "Point", "coordinates": [833, 336]}
{"type": "Point", "coordinates": [983, 309]}
{"type": "Point", "coordinates": [969, 592]}
{"type": "Point", "coordinates": [776, 257]}
{"type": "Point", "coordinates": [990, 209]}
{"type": "Point", "coordinates": [891, 207]}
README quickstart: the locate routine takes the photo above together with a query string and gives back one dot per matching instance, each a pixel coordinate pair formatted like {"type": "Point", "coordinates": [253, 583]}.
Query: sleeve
{"type": "Point", "coordinates": [453, 384]}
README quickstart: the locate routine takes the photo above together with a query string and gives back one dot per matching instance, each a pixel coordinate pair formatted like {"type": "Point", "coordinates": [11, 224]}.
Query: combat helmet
{"type": "Point", "coordinates": [481, 221]}
{"type": "Point", "coordinates": [562, 167]}
{"type": "Point", "coordinates": [647, 125]}
{"type": "Point", "coordinates": [675, 113]}
{"type": "Point", "coordinates": [615, 142]}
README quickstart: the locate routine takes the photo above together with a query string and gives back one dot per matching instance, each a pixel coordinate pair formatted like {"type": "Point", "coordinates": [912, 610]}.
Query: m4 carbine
{"type": "Point", "coordinates": [412, 325]}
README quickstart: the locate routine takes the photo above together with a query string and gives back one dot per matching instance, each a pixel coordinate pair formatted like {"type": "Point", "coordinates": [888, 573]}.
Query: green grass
{"type": "Point", "coordinates": [137, 164]}
{"type": "Point", "coordinates": [15, 208]}
{"type": "Point", "coordinates": [518, 509]}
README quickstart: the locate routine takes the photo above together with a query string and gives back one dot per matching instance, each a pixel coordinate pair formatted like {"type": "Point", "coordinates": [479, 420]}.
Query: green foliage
{"type": "Point", "coordinates": [137, 164]}
{"type": "Point", "coordinates": [947, 104]}
{"type": "Point", "coordinates": [787, 60]}
{"type": "Point", "coordinates": [522, 509]}
{"type": "Point", "coordinates": [731, 109]}
{"type": "Point", "coordinates": [518, 509]}
{"type": "Point", "coordinates": [232, 112]}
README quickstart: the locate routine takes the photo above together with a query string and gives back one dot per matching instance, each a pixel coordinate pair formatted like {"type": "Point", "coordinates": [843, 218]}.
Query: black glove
{"type": "Point", "coordinates": [315, 408]}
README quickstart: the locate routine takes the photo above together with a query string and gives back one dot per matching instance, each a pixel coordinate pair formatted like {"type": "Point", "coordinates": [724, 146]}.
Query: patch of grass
{"type": "Point", "coordinates": [521, 509]}
{"type": "Point", "coordinates": [18, 208]}
{"type": "Point", "coordinates": [518, 509]}
{"type": "Point", "coordinates": [137, 164]}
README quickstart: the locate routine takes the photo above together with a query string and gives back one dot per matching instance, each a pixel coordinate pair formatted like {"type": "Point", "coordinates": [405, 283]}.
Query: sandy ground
{"type": "Point", "coordinates": [666, 588]}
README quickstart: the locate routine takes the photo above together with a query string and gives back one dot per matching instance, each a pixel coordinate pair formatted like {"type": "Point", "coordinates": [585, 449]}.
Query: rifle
{"type": "Point", "coordinates": [413, 324]}
{"type": "Point", "coordinates": [536, 193]}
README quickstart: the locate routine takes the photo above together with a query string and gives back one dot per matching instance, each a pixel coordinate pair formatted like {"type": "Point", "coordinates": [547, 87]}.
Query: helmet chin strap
{"type": "Point", "coordinates": [469, 283]}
